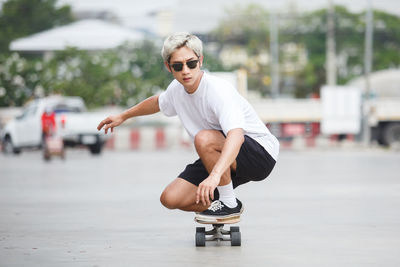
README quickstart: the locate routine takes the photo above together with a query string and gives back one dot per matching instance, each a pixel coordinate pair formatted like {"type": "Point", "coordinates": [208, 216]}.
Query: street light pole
{"type": "Point", "coordinates": [367, 71]}
{"type": "Point", "coordinates": [330, 46]}
{"type": "Point", "coordinates": [274, 46]}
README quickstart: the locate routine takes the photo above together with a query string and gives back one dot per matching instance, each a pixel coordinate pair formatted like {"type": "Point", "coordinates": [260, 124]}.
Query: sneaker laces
{"type": "Point", "coordinates": [216, 205]}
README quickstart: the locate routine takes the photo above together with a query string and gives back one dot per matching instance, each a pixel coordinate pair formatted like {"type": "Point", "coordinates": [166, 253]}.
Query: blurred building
{"type": "Point", "coordinates": [105, 15]}
{"type": "Point", "coordinates": [89, 34]}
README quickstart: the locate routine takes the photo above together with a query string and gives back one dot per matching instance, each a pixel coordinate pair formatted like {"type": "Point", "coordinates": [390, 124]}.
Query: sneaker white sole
{"type": "Point", "coordinates": [210, 218]}
{"type": "Point", "coordinates": [214, 218]}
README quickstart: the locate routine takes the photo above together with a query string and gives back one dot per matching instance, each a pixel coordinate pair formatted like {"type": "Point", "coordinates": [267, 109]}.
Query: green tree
{"type": "Point", "coordinates": [310, 30]}
{"type": "Point", "coordinates": [249, 27]}
{"type": "Point", "coordinates": [386, 40]}
{"type": "Point", "coordinates": [19, 18]}
{"type": "Point", "coordinates": [120, 76]}
{"type": "Point", "coordinates": [244, 25]}
{"type": "Point", "coordinates": [349, 38]}
{"type": "Point", "coordinates": [17, 77]}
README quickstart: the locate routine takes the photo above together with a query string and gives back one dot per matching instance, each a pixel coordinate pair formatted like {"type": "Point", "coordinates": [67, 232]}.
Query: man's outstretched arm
{"type": "Point", "coordinates": [146, 107]}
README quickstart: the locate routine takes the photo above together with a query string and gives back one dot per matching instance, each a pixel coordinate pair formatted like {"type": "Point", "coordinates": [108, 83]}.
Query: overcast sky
{"type": "Point", "coordinates": [203, 15]}
{"type": "Point", "coordinates": [127, 7]}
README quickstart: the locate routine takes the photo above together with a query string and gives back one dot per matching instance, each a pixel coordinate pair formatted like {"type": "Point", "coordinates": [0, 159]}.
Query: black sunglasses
{"type": "Point", "coordinates": [179, 66]}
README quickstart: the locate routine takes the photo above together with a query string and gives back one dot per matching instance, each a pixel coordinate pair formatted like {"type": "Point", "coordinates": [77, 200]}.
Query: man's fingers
{"type": "Point", "coordinates": [205, 196]}
{"type": "Point", "coordinates": [202, 196]}
{"type": "Point", "coordinates": [108, 125]}
{"type": "Point", "coordinates": [198, 195]}
{"type": "Point", "coordinates": [109, 122]}
{"type": "Point", "coordinates": [102, 123]}
{"type": "Point", "coordinates": [210, 196]}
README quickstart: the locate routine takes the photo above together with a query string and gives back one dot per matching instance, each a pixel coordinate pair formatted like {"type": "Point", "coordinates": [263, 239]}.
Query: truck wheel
{"type": "Point", "coordinates": [95, 149]}
{"type": "Point", "coordinates": [8, 146]}
{"type": "Point", "coordinates": [391, 134]}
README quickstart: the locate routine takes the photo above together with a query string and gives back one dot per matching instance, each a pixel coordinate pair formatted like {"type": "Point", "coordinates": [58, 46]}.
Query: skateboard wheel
{"type": "Point", "coordinates": [235, 239]}
{"type": "Point", "coordinates": [234, 229]}
{"type": "Point", "coordinates": [200, 229]}
{"type": "Point", "coordinates": [200, 238]}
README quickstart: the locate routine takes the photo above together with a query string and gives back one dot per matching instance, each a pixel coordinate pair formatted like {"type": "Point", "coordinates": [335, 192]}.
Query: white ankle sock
{"type": "Point", "coordinates": [227, 195]}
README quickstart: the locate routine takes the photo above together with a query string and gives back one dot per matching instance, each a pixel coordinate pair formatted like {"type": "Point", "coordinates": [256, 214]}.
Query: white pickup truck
{"type": "Point", "coordinates": [76, 126]}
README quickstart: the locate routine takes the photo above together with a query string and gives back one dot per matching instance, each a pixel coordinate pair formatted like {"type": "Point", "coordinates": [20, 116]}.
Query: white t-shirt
{"type": "Point", "coordinates": [216, 105]}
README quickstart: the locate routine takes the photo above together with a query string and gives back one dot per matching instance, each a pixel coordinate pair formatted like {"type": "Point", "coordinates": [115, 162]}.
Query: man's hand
{"type": "Point", "coordinates": [205, 191]}
{"type": "Point", "coordinates": [110, 122]}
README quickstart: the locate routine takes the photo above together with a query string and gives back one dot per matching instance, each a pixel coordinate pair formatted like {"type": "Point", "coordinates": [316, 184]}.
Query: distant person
{"type": "Point", "coordinates": [233, 144]}
{"type": "Point", "coordinates": [48, 122]}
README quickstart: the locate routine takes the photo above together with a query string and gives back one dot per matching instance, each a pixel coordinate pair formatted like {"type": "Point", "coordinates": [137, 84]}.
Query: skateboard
{"type": "Point", "coordinates": [218, 233]}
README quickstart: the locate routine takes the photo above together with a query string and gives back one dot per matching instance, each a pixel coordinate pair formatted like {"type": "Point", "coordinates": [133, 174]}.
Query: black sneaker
{"type": "Point", "coordinates": [218, 210]}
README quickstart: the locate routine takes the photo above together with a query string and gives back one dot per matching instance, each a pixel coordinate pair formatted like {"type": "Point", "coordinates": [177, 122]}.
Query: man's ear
{"type": "Point", "coordinates": [167, 66]}
{"type": "Point", "coordinates": [201, 60]}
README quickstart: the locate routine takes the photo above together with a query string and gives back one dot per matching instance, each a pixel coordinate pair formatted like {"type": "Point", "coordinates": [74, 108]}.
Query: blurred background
{"type": "Point", "coordinates": [323, 75]}
{"type": "Point", "coordinates": [319, 73]}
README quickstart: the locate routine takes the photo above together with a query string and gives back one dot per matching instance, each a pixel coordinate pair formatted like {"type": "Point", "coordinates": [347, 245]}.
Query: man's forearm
{"type": "Point", "coordinates": [146, 107]}
{"type": "Point", "coordinates": [230, 150]}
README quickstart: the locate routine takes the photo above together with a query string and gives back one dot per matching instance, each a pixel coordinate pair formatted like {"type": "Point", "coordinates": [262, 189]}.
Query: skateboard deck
{"type": "Point", "coordinates": [220, 221]}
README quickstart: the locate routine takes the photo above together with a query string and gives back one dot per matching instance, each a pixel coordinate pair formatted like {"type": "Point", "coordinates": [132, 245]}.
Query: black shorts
{"type": "Point", "coordinates": [253, 163]}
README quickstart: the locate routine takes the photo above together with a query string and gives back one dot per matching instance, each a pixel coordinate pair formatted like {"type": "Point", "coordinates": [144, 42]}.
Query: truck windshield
{"type": "Point", "coordinates": [28, 111]}
{"type": "Point", "coordinates": [67, 109]}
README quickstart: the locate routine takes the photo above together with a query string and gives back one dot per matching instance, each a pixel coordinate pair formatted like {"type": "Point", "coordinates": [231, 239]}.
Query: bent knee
{"type": "Point", "coordinates": [205, 138]}
{"type": "Point", "coordinates": [169, 200]}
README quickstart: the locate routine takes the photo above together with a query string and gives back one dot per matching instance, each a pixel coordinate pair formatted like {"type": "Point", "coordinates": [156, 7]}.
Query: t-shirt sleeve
{"type": "Point", "coordinates": [165, 102]}
{"type": "Point", "coordinates": [227, 109]}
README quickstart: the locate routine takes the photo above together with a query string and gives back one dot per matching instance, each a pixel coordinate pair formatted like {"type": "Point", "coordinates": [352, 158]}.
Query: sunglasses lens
{"type": "Point", "coordinates": [177, 66]}
{"type": "Point", "coordinates": [192, 64]}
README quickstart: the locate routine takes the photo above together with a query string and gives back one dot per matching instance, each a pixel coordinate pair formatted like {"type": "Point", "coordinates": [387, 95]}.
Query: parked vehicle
{"type": "Point", "coordinates": [289, 118]}
{"type": "Point", "coordinates": [74, 124]}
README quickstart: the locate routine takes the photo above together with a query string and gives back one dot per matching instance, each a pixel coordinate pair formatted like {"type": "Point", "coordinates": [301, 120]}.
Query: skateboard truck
{"type": "Point", "coordinates": [218, 233]}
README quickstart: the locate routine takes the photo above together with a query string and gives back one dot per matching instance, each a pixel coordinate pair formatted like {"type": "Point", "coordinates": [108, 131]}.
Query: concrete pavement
{"type": "Point", "coordinates": [318, 208]}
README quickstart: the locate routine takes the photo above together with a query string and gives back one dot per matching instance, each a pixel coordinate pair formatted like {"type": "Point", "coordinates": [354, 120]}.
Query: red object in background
{"type": "Point", "coordinates": [63, 120]}
{"type": "Point", "coordinates": [293, 129]}
{"type": "Point", "coordinates": [110, 143]}
{"type": "Point", "coordinates": [48, 123]}
{"type": "Point", "coordinates": [160, 138]}
{"type": "Point", "coordinates": [315, 129]}
{"type": "Point", "coordinates": [135, 138]}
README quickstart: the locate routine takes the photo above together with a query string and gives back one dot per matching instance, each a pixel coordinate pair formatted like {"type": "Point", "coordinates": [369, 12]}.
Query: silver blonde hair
{"type": "Point", "coordinates": [178, 40]}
